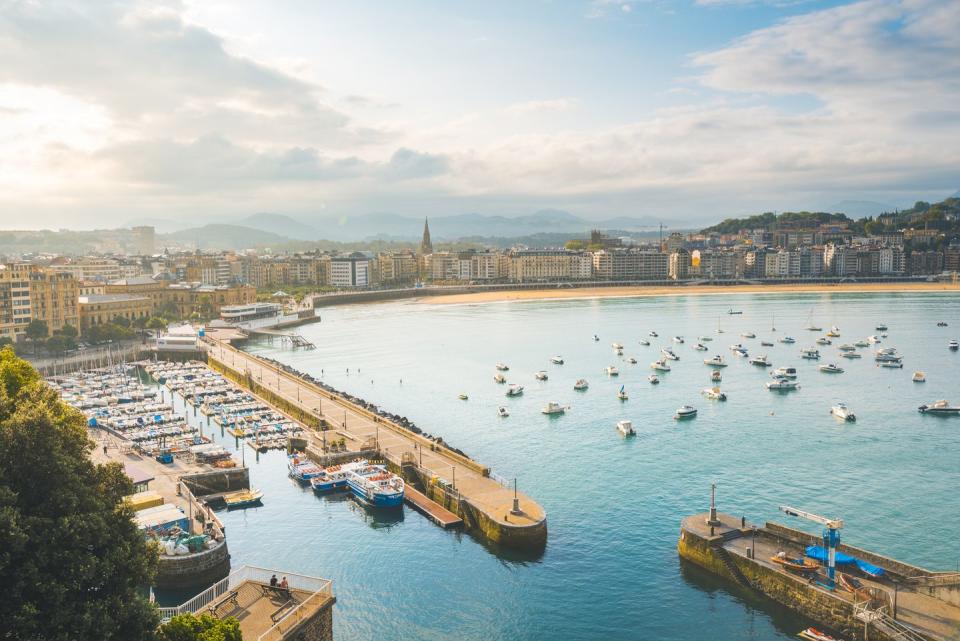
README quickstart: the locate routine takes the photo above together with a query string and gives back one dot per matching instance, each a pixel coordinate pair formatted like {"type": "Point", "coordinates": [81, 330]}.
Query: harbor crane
{"type": "Point", "coordinates": [831, 537]}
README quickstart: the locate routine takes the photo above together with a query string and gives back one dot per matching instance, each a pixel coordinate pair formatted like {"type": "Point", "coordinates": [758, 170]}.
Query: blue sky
{"type": "Point", "coordinates": [683, 110]}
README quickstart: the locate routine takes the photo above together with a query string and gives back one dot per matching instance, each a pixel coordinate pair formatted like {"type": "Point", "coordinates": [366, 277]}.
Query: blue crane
{"type": "Point", "coordinates": [831, 537]}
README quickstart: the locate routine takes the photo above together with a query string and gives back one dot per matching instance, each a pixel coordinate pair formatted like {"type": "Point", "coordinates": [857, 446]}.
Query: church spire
{"type": "Point", "coordinates": [426, 247]}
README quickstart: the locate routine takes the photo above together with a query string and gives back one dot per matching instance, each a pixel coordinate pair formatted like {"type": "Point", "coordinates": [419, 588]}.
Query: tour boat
{"type": "Point", "coordinates": [713, 393]}
{"type": "Point", "coordinates": [761, 361]}
{"type": "Point", "coordinates": [881, 327]}
{"type": "Point", "coordinates": [669, 354]}
{"type": "Point", "coordinates": [716, 376]}
{"type": "Point", "coordinates": [502, 412]}
{"type": "Point", "coordinates": [660, 366]}
{"type": "Point", "coordinates": [830, 368]}
{"type": "Point", "coordinates": [685, 412]}
{"type": "Point", "coordinates": [851, 355]}
{"type": "Point", "coordinates": [301, 468]}
{"type": "Point", "coordinates": [335, 476]}
{"type": "Point", "coordinates": [556, 360]}
{"type": "Point", "coordinates": [810, 353]}
{"type": "Point", "coordinates": [243, 498]}
{"type": "Point", "coordinates": [939, 407]}
{"type": "Point", "coordinates": [515, 390]}
{"type": "Point", "coordinates": [840, 410]}
{"type": "Point", "coordinates": [581, 384]}
{"type": "Point", "coordinates": [553, 407]}
{"type": "Point", "coordinates": [715, 361]}
{"type": "Point", "coordinates": [919, 377]}
{"type": "Point", "coordinates": [704, 339]}
{"type": "Point", "coordinates": [654, 380]}
{"type": "Point", "coordinates": [789, 340]}
{"type": "Point", "coordinates": [813, 634]}
{"type": "Point", "coordinates": [954, 345]}
{"type": "Point", "coordinates": [616, 345]}
{"type": "Point", "coordinates": [376, 487]}
{"type": "Point", "coordinates": [502, 367]}
{"type": "Point", "coordinates": [645, 342]}
{"type": "Point", "coordinates": [499, 378]}
{"type": "Point", "coordinates": [766, 344]}
{"type": "Point", "coordinates": [463, 397]}
{"type": "Point", "coordinates": [678, 339]}
{"type": "Point", "coordinates": [748, 335]}
{"type": "Point", "coordinates": [847, 347]}
{"type": "Point", "coordinates": [823, 340]}
{"type": "Point", "coordinates": [784, 372]}
{"type": "Point", "coordinates": [700, 347]}
{"type": "Point", "coordinates": [612, 371]}
{"type": "Point", "coordinates": [622, 394]}
{"type": "Point", "coordinates": [781, 385]}
{"type": "Point", "coordinates": [626, 428]}
{"type": "Point", "coordinates": [541, 376]}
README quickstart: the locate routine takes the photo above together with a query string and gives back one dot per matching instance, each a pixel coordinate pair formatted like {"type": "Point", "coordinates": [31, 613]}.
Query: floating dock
{"type": "Point", "coordinates": [433, 511]}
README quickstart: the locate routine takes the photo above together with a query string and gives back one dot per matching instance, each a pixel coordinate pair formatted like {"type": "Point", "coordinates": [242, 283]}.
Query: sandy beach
{"type": "Point", "coordinates": [680, 290]}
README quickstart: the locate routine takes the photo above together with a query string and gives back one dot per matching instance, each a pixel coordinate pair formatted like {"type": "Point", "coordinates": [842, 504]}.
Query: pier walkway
{"type": "Point", "coordinates": [439, 515]}
{"type": "Point", "coordinates": [465, 478]}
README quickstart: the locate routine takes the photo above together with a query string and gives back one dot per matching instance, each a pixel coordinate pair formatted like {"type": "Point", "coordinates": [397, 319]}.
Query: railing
{"type": "Point", "coordinates": [293, 618]}
{"type": "Point", "coordinates": [507, 483]}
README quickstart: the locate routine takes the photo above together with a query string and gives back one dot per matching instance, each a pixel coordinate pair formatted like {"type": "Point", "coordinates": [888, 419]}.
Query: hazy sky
{"type": "Point", "coordinates": [688, 109]}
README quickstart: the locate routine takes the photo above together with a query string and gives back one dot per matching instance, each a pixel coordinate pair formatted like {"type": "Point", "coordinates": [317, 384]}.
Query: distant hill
{"type": "Point", "coordinates": [223, 237]}
{"type": "Point", "coordinates": [769, 219]}
{"type": "Point", "coordinates": [860, 208]}
{"type": "Point", "coordinates": [281, 225]}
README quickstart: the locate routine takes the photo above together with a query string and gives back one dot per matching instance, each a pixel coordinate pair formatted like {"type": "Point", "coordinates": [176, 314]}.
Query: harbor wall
{"type": "Point", "coordinates": [214, 482]}
{"type": "Point", "coordinates": [319, 627]}
{"type": "Point", "coordinates": [247, 382]}
{"type": "Point", "coordinates": [193, 571]}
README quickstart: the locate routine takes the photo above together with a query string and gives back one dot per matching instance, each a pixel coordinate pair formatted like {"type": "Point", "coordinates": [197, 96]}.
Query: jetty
{"type": "Point", "coordinates": [486, 503]}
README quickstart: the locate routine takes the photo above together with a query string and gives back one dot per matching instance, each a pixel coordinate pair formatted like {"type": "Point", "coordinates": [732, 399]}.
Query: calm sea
{"type": "Point", "coordinates": [610, 570]}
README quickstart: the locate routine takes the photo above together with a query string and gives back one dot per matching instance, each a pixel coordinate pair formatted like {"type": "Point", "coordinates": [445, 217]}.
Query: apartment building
{"type": "Point", "coordinates": [106, 308]}
{"type": "Point", "coordinates": [549, 264]}
{"type": "Point", "coordinates": [350, 271]}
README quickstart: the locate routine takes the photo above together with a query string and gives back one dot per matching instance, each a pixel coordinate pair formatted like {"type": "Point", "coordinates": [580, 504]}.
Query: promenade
{"type": "Point", "coordinates": [470, 480]}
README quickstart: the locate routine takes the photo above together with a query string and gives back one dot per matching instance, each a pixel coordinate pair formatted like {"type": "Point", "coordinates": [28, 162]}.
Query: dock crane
{"type": "Point", "coordinates": [831, 537]}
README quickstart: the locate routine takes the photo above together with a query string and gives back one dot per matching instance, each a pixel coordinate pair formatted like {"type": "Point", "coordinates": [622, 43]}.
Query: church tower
{"type": "Point", "coordinates": [426, 247]}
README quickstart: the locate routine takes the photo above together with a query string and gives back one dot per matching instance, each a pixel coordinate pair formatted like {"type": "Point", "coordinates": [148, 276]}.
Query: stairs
{"type": "Point", "coordinates": [732, 568]}
{"type": "Point", "coordinates": [886, 624]}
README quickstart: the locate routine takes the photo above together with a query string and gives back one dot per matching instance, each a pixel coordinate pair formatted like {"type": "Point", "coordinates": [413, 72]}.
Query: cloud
{"type": "Point", "coordinates": [540, 106]}
{"type": "Point", "coordinates": [410, 164]}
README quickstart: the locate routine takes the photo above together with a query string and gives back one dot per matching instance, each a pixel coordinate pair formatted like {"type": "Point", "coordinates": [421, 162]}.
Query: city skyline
{"type": "Point", "coordinates": [689, 111]}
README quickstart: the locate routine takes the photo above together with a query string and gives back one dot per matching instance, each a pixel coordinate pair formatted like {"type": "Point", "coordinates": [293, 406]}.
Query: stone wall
{"type": "Point", "coordinates": [193, 571]}
{"type": "Point", "coordinates": [214, 482]}
{"type": "Point", "coordinates": [319, 627]}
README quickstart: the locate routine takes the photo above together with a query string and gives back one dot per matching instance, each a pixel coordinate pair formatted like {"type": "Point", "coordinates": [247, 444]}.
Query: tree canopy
{"type": "Point", "coordinates": [187, 627]}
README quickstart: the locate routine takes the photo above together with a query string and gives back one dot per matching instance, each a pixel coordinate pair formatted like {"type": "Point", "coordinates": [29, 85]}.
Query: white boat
{"type": "Point", "coordinates": [873, 339]}
{"type": "Point", "coordinates": [830, 368]}
{"type": "Point", "coordinates": [810, 326]}
{"type": "Point", "coordinates": [834, 332]}
{"type": "Point", "coordinates": [919, 377]}
{"type": "Point", "coordinates": [715, 361]}
{"type": "Point", "coordinates": [502, 411]}
{"type": "Point", "coordinates": [954, 345]}
{"type": "Point", "coordinates": [669, 354]}
{"type": "Point", "coordinates": [653, 333]}
{"type": "Point", "coordinates": [847, 347]}
{"type": "Point", "coordinates": [716, 376]}
{"type": "Point", "coordinates": [616, 345]}
{"type": "Point", "coordinates": [660, 366]}
{"type": "Point", "coordinates": [581, 384]}
{"type": "Point", "coordinates": [881, 327]}
{"type": "Point", "coordinates": [748, 335]}
{"type": "Point", "coordinates": [823, 340]}
{"type": "Point", "coordinates": [556, 360]}
{"type": "Point", "coordinates": [644, 341]}
{"type": "Point", "coordinates": [622, 394]}
{"type": "Point", "coordinates": [766, 344]}
{"type": "Point", "coordinates": [678, 339]}
{"type": "Point", "coordinates": [887, 354]}
{"type": "Point", "coordinates": [939, 407]}
{"type": "Point", "coordinates": [700, 347]}
{"type": "Point", "coordinates": [499, 378]}
{"type": "Point", "coordinates": [862, 343]}
{"type": "Point", "coordinates": [784, 372]}
{"type": "Point", "coordinates": [810, 353]}
{"type": "Point", "coordinates": [713, 393]}
{"type": "Point", "coordinates": [741, 352]}
{"type": "Point", "coordinates": [654, 379]}
{"type": "Point", "coordinates": [789, 340]}
{"type": "Point", "coordinates": [463, 397]}
{"type": "Point", "coordinates": [626, 428]}
{"type": "Point", "coordinates": [612, 371]}
{"type": "Point", "coordinates": [736, 346]}
{"type": "Point", "coordinates": [781, 385]}
{"type": "Point", "coordinates": [595, 337]}
{"type": "Point", "coordinates": [851, 355]}
{"type": "Point", "coordinates": [685, 412]}
{"type": "Point", "coordinates": [891, 364]}
{"type": "Point", "coordinates": [541, 375]}
{"type": "Point", "coordinates": [841, 411]}
{"type": "Point", "coordinates": [632, 360]}
{"type": "Point", "coordinates": [704, 339]}
{"type": "Point", "coordinates": [515, 390]}
{"type": "Point", "coordinates": [502, 367]}
{"type": "Point", "coordinates": [618, 352]}
{"type": "Point", "coordinates": [553, 407]}
{"type": "Point", "coordinates": [760, 361]}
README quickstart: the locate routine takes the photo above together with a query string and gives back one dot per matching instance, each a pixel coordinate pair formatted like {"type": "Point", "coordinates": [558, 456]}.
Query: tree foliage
{"type": "Point", "coordinates": [71, 559]}
{"type": "Point", "coordinates": [188, 627]}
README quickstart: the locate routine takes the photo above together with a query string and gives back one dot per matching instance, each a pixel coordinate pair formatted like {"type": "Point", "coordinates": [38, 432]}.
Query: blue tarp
{"type": "Point", "coordinates": [820, 554]}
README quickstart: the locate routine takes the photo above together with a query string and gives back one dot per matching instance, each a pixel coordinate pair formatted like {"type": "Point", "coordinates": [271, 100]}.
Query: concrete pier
{"type": "Point", "coordinates": [459, 484]}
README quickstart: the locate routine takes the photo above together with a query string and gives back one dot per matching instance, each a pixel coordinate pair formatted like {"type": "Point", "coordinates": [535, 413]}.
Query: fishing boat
{"type": "Point", "coordinates": [781, 385]}
{"type": "Point", "coordinates": [645, 342]}
{"type": "Point", "coordinates": [939, 407]}
{"type": "Point", "coordinates": [748, 335]}
{"type": "Point", "coordinates": [502, 412]}
{"type": "Point", "coordinates": [766, 344]}
{"type": "Point", "coordinates": [515, 390]}
{"type": "Point", "coordinates": [335, 477]}
{"type": "Point", "coordinates": [660, 366]}
{"type": "Point", "coordinates": [851, 583]}
{"type": "Point", "coordinates": [810, 353]}
{"type": "Point", "coordinates": [796, 565]}
{"type": "Point", "coordinates": [685, 412]}
{"type": "Point", "coordinates": [841, 411]}
{"type": "Point", "coordinates": [713, 393]}
{"type": "Point", "coordinates": [789, 340]}
{"type": "Point", "coordinates": [715, 361]}
{"type": "Point", "coordinates": [612, 371]}
{"type": "Point", "coordinates": [243, 498]}
{"type": "Point", "coordinates": [626, 428]}
{"type": "Point", "coordinates": [622, 394]}
{"type": "Point", "coordinates": [830, 368]}
{"type": "Point", "coordinates": [716, 376]}
{"type": "Point", "coordinates": [581, 384]}
{"type": "Point", "coordinates": [669, 354]}
{"type": "Point", "coordinates": [376, 487]}
{"type": "Point", "coordinates": [700, 347]}
{"type": "Point", "coordinates": [851, 355]}
{"type": "Point", "coordinates": [919, 377]}
{"type": "Point", "coordinates": [499, 378]}
{"type": "Point", "coordinates": [953, 345]}
{"type": "Point", "coordinates": [823, 340]}
{"type": "Point", "coordinates": [463, 397]}
{"type": "Point", "coordinates": [553, 407]}
{"type": "Point", "coordinates": [502, 367]}
{"type": "Point", "coordinates": [556, 360]}
{"type": "Point", "coordinates": [760, 361]}
{"type": "Point", "coordinates": [704, 339]}
{"type": "Point", "coordinates": [813, 634]}
{"type": "Point", "coordinates": [678, 339]}
{"type": "Point", "coordinates": [541, 376]}
{"type": "Point", "coordinates": [654, 379]}
{"type": "Point", "coordinates": [881, 327]}
{"type": "Point", "coordinates": [734, 312]}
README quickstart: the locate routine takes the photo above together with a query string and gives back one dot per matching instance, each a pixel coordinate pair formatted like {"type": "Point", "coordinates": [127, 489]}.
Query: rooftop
{"type": "Point", "coordinates": [111, 298]}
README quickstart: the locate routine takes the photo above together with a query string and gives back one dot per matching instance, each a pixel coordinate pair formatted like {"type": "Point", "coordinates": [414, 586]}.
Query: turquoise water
{"type": "Point", "coordinates": [610, 569]}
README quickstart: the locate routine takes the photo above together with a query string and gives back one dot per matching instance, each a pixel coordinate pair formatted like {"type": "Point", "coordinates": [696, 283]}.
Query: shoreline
{"type": "Point", "coordinates": [635, 291]}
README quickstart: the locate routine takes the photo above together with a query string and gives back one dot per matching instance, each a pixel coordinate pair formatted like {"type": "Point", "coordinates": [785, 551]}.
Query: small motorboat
{"type": "Point", "coordinates": [622, 394]}
{"type": "Point", "coordinates": [873, 339]}
{"type": "Point", "coordinates": [810, 353]}
{"type": "Point", "coordinates": [748, 335]}
{"type": "Point", "coordinates": [700, 347]}
{"type": "Point", "coordinates": [881, 327]}
{"type": "Point", "coordinates": [919, 377]}
{"type": "Point", "coordinates": [553, 407]}
{"type": "Point", "coordinates": [669, 354]}
{"type": "Point", "coordinates": [632, 360]}
{"type": "Point", "coordinates": [851, 583]}
{"type": "Point", "coordinates": [734, 312]}
{"type": "Point", "coordinates": [715, 361]}
{"type": "Point", "coordinates": [612, 371]}
{"type": "Point", "coordinates": [736, 346]}
{"type": "Point", "coordinates": [862, 343]}
{"type": "Point", "coordinates": [645, 342]}
{"type": "Point", "coordinates": [847, 347]}
{"type": "Point", "coordinates": [654, 379]}
{"type": "Point", "coordinates": [781, 385]}
{"type": "Point", "coordinates": [834, 332]}
{"type": "Point", "coordinates": [618, 352]}
{"type": "Point", "coordinates": [678, 339]}
{"type": "Point", "coordinates": [462, 397]}
{"type": "Point", "coordinates": [595, 337]}
{"type": "Point", "coordinates": [841, 411]}
{"type": "Point", "coordinates": [789, 340]}
{"type": "Point", "coordinates": [713, 393]}
{"type": "Point", "coordinates": [515, 390]}
{"type": "Point", "coordinates": [653, 333]}
{"type": "Point", "coordinates": [823, 340]}
{"type": "Point", "coordinates": [499, 378]}
{"type": "Point", "coordinates": [502, 412]}
{"type": "Point", "coordinates": [760, 361]}
{"type": "Point", "coordinates": [716, 376]}
{"type": "Point", "coordinates": [813, 634]}
{"type": "Point", "coordinates": [541, 375]}
{"type": "Point", "coordinates": [616, 345]}
{"type": "Point", "coordinates": [660, 366]}
{"type": "Point", "coordinates": [243, 498]}
{"type": "Point", "coordinates": [742, 352]}
{"type": "Point", "coordinates": [766, 344]}
{"type": "Point", "coordinates": [581, 384]}
{"type": "Point", "coordinates": [626, 428]}
{"type": "Point", "coordinates": [685, 412]}
{"type": "Point", "coordinates": [851, 355]}
{"type": "Point", "coordinates": [953, 345]}
{"type": "Point", "coordinates": [939, 407]}
{"type": "Point", "coordinates": [556, 360]}
{"type": "Point", "coordinates": [830, 368]}
{"type": "Point", "coordinates": [704, 339]}
{"type": "Point", "coordinates": [891, 364]}
{"type": "Point", "coordinates": [796, 565]}
{"type": "Point", "coordinates": [941, 324]}
{"type": "Point", "coordinates": [502, 367]}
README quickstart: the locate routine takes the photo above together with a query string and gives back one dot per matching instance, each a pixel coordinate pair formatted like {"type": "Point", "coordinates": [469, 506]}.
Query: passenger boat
{"type": "Point", "coordinates": [700, 347]}
{"type": "Point", "coordinates": [810, 353]}
{"type": "Point", "coordinates": [515, 390]}
{"type": "Point", "coordinates": [766, 344]}
{"type": "Point", "coordinates": [841, 411]}
{"type": "Point", "coordinates": [669, 354]}
{"type": "Point", "coordinates": [502, 412]}
{"type": "Point", "coordinates": [939, 407]}
{"type": "Point", "coordinates": [541, 376]}
{"type": "Point", "coordinates": [781, 385]}
{"type": "Point", "coordinates": [626, 428]}
{"type": "Point", "coordinates": [796, 565]}
{"type": "Point", "coordinates": [685, 412]}
{"type": "Point", "coordinates": [823, 340]}
{"type": "Point", "coordinates": [553, 407]}
{"type": "Point", "coordinates": [581, 384]}
{"type": "Point", "coordinates": [462, 397]}
{"type": "Point", "coordinates": [302, 469]}
{"type": "Point", "coordinates": [678, 339]}
{"type": "Point", "coordinates": [376, 487]}
{"type": "Point", "coordinates": [760, 361]}
{"type": "Point", "coordinates": [660, 366]}
{"type": "Point", "coordinates": [830, 368]}
{"type": "Point", "coordinates": [789, 340]}
{"type": "Point", "coordinates": [954, 345]}
{"type": "Point", "coordinates": [335, 477]}
{"type": "Point", "coordinates": [851, 355]}
{"type": "Point", "coordinates": [716, 376]}
{"type": "Point", "coordinates": [556, 360]}
{"type": "Point", "coordinates": [502, 367]}
{"type": "Point", "coordinates": [243, 498]}
{"type": "Point", "coordinates": [784, 372]}
{"type": "Point", "coordinates": [612, 371]}
{"type": "Point", "coordinates": [499, 378]}
{"type": "Point", "coordinates": [813, 634]}
{"type": "Point", "coordinates": [622, 394]}
{"type": "Point", "coordinates": [654, 379]}
{"type": "Point", "coordinates": [881, 327]}
{"type": "Point", "coordinates": [713, 393]}
{"type": "Point", "coordinates": [645, 342]}
{"type": "Point", "coordinates": [715, 361]}
{"type": "Point", "coordinates": [748, 335]}
{"type": "Point", "coordinates": [919, 377]}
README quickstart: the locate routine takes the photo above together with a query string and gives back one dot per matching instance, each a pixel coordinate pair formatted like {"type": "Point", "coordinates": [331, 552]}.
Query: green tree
{"type": "Point", "coordinates": [157, 323]}
{"type": "Point", "coordinates": [58, 344]}
{"type": "Point", "coordinates": [72, 560]}
{"type": "Point", "coordinates": [37, 330]}
{"type": "Point", "coordinates": [575, 245]}
{"type": "Point", "coordinates": [68, 330]}
{"type": "Point", "coordinates": [188, 627]}
{"type": "Point", "coordinates": [121, 321]}
{"type": "Point", "coordinates": [169, 310]}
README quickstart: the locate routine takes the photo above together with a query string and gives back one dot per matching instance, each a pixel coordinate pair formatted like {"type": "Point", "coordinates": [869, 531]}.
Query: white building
{"type": "Point", "coordinates": [350, 271]}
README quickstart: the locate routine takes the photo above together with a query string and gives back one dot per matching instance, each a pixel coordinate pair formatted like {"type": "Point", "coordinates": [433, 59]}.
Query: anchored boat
{"type": "Point", "coordinates": [939, 407]}
{"type": "Point", "coordinates": [335, 477]}
{"type": "Point", "coordinates": [375, 487]}
{"type": "Point", "coordinates": [553, 407]}
{"type": "Point", "coordinates": [841, 411]}
{"type": "Point", "coordinates": [626, 428]}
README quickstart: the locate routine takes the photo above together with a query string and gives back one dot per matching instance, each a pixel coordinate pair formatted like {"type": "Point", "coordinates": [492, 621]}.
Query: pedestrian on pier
{"type": "Point", "coordinates": [104, 450]}
{"type": "Point", "coordinates": [273, 581]}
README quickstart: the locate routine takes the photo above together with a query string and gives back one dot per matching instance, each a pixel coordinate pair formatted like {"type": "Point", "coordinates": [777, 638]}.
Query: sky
{"type": "Point", "coordinates": [685, 110]}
